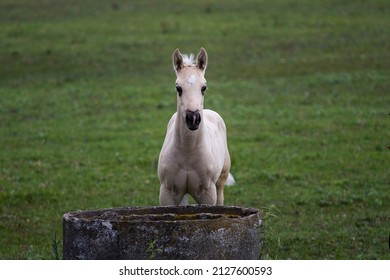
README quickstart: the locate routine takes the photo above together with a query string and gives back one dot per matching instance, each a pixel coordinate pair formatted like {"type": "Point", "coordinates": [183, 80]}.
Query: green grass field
{"type": "Point", "coordinates": [87, 89]}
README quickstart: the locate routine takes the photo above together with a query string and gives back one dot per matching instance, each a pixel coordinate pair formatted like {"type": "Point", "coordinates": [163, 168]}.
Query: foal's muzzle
{"type": "Point", "coordinates": [193, 119]}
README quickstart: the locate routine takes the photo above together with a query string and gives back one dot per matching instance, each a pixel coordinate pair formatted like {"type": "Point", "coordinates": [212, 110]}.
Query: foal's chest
{"type": "Point", "coordinates": [194, 172]}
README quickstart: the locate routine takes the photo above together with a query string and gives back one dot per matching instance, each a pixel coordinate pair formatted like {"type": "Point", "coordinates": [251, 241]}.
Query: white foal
{"type": "Point", "coordinates": [194, 158]}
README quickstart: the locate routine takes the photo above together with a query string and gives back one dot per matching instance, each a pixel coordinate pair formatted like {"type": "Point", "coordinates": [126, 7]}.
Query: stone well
{"type": "Point", "coordinates": [183, 232]}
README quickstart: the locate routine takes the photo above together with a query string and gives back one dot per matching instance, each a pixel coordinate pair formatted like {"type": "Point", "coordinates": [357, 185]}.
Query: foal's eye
{"type": "Point", "coordinates": [179, 90]}
{"type": "Point", "coordinates": [204, 88]}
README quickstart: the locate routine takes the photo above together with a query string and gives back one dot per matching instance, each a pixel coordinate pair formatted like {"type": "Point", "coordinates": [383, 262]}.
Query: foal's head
{"type": "Point", "coordinates": [190, 86]}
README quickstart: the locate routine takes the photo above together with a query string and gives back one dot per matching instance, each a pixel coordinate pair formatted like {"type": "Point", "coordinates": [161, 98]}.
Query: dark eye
{"type": "Point", "coordinates": [179, 90]}
{"type": "Point", "coordinates": [204, 88]}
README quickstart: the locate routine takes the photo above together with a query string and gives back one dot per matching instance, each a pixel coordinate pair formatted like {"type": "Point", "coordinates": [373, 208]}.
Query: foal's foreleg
{"type": "Point", "coordinates": [205, 194]}
{"type": "Point", "coordinates": [171, 196]}
{"type": "Point", "coordinates": [220, 188]}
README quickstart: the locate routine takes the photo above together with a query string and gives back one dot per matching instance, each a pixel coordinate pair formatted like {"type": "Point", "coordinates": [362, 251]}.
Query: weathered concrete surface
{"type": "Point", "coordinates": [184, 232]}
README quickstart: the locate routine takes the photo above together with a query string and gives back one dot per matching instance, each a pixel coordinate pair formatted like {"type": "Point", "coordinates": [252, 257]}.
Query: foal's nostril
{"type": "Point", "coordinates": [193, 119]}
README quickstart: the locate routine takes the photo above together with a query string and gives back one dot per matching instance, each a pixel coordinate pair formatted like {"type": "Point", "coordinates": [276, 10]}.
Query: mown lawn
{"type": "Point", "coordinates": [87, 88]}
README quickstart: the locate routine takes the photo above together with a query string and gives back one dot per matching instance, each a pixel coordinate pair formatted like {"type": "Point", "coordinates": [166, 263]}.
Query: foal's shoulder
{"type": "Point", "coordinates": [212, 115]}
{"type": "Point", "coordinates": [172, 120]}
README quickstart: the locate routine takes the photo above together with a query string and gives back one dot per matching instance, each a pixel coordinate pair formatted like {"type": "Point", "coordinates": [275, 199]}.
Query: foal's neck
{"type": "Point", "coordinates": [187, 139]}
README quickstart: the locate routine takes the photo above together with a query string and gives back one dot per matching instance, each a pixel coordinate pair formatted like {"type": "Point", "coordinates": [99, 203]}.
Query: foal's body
{"type": "Point", "coordinates": [194, 158]}
{"type": "Point", "coordinates": [183, 169]}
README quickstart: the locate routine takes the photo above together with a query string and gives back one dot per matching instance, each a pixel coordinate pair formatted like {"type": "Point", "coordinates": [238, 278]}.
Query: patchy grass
{"type": "Point", "coordinates": [87, 88]}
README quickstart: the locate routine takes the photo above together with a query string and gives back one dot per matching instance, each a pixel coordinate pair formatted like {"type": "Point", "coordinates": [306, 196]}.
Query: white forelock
{"type": "Point", "coordinates": [188, 60]}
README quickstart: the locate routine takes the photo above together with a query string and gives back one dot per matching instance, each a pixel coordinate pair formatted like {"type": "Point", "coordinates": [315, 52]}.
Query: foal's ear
{"type": "Point", "coordinates": [177, 60]}
{"type": "Point", "coordinates": [201, 60]}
